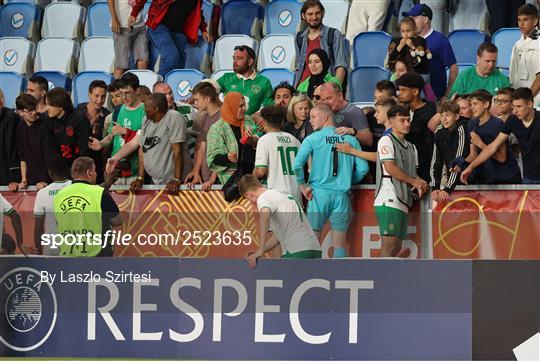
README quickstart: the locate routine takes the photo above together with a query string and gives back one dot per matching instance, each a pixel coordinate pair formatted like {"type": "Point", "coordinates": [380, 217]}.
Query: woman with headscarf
{"type": "Point", "coordinates": [318, 64]}
{"type": "Point", "coordinates": [232, 139]}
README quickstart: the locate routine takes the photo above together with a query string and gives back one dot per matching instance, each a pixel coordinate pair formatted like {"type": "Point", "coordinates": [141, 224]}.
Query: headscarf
{"type": "Point", "coordinates": [229, 109]}
{"type": "Point", "coordinates": [317, 80]}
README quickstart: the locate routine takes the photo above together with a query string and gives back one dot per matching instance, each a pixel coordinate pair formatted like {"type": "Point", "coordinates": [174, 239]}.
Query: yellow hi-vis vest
{"type": "Point", "coordinates": [77, 209]}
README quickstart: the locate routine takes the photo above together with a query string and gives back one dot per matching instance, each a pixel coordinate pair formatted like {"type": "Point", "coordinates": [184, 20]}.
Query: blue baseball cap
{"type": "Point", "coordinates": [419, 9]}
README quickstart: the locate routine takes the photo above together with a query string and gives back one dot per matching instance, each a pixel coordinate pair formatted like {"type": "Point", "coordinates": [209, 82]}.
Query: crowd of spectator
{"type": "Point", "coordinates": [477, 126]}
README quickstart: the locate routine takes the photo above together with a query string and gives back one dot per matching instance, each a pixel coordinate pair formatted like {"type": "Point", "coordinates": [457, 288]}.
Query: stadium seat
{"type": "Point", "coordinates": [56, 79]}
{"type": "Point", "coordinates": [219, 73]}
{"type": "Point", "coordinates": [370, 48]}
{"type": "Point", "coordinates": [198, 56]}
{"type": "Point", "coordinates": [20, 19]}
{"type": "Point", "coordinates": [11, 84]}
{"type": "Point", "coordinates": [461, 68]}
{"type": "Point", "coordinates": [276, 76]}
{"type": "Point", "coordinates": [224, 49]}
{"type": "Point", "coordinates": [505, 39]}
{"type": "Point", "coordinates": [147, 77]}
{"type": "Point", "coordinates": [465, 43]}
{"type": "Point", "coordinates": [97, 54]}
{"type": "Point", "coordinates": [17, 55]}
{"type": "Point", "coordinates": [62, 20]}
{"type": "Point", "coordinates": [81, 83]}
{"type": "Point", "coordinates": [282, 17]}
{"type": "Point", "coordinates": [362, 82]}
{"type": "Point", "coordinates": [98, 20]}
{"type": "Point", "coordinates": [241, 17]}
{"type": "Point", "coordinates": [56, 54]}
{"type": "Point", "coordinates": [277, 51]}
{"type": "Point", "coordinates": [336, 14]}
{"type": "Point", "coordinates": [182, 82]}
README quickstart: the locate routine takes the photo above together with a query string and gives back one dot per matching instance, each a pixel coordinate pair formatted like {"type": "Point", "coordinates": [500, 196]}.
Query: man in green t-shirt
{"type": "Point", "coordinates": [130, 117]}
{"type": "Point", "coordinates": [484, 75]}
{"type": "Point", "coordinates": [257, 89]}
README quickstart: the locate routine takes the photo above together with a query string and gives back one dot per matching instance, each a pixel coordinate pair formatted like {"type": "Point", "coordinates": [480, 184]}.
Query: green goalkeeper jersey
{"type": "Point", "coordinates": [256, 89]}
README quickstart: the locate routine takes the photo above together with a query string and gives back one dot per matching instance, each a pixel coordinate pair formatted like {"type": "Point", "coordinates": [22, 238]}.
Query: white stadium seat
{"type": "Point", "coordinates": [277, 51]}
{"type": "Point", "coordinates": [17, 55]}
{"type": "Point", "coordinates": [62, 20]}
{"type": "Point", "coordinates": [97, 54]}
{"type": "Point", "coordinates": [56, 54]}
{"type": "Point", "coordinates": [225, 49]}
{"type": "Point", "coordinates": [146, 77]}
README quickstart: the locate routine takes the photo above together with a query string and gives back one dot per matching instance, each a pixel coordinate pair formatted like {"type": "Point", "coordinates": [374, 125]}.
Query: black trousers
{"type": "Point", "coordinates": [503, 13]}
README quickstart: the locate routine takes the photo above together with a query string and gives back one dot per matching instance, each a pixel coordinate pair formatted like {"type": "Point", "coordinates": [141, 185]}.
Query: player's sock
{"type": "Point", "coordinates": [340, 252]}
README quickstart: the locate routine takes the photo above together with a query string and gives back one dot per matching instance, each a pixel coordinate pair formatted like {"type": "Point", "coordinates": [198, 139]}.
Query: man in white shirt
{"type": "Point", "coordinates": [281, 214]}
{"type": "Point", "coordinates": [525, 61]}
{"type": "Point", "coordinates": [275, 154]}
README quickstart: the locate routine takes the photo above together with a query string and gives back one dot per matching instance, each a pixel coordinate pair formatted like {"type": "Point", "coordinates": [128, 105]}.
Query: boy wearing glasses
{"type": "Point", "coordinates": [503, 103]}
{"type": "Point", "coordinates": [30, 148]}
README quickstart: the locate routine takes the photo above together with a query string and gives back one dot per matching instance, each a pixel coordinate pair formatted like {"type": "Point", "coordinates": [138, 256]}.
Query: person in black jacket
{"type": "Point", "coordinates": [67, 132]}
{"type": "Point", "coordinates": [451, 141]}
{"type": "Point", "coordinates": [9, 162]}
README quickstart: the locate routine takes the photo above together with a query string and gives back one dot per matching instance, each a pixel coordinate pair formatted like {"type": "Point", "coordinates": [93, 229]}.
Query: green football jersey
{"type": "Point", "coordinates": [257, 90]}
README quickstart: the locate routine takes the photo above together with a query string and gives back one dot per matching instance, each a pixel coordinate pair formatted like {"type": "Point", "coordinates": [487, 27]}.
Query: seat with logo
{"type": "Point", "coordinates": [182, 82]}
{"type": "Point", "coordinates": [17, 55]}
{"type": "Point", "coordinates": [146, 77]}
{"type": "Point", "coordinates": [98, 20]}
{"type": "Point", "coordinates": [276, 76]}
{"type": "Point", "coordinates": [20, 19]}
{"type": "Point", "coordinates": [56, 54]}
{"type": "Point", "coordinates": [55, 79]}
{"type": "Point", "coordinates": [224, 50]}
{"type": "Point", "coordinates": [62, 20]}
{"type": "Point", "coordinates": [282, 17]}
{"type": "Point", "coordinates": [277, 51]}
{"type": "Point", "coordinates": [362, 81]}
{"type": "Point", "coordinates": [12, 84]}
{"type": "Point", "coordinates": [370, 48]}
{"type": "Point", "coordinates": [97, 54]}
{"type": "Point", "coordinates": [81, 83]}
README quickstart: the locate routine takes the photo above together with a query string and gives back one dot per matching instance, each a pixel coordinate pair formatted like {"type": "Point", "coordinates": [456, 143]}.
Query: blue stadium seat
{"type": "Point", "coordinates": [224, 49]}
{"type": "Point", "coordinates": [62, 20]}
{"type": "Point", "coordinates": [465, 43]}
{"type": "Point", "coordinates": [56, 54]}
{"type": "Point", "coordinates": [146, 77]}
{"type": "Point", "coordinates": [277, 76]}
{"type": "Point", "coordinates": [277, 51]}
{"type": "Point", "coordinates": [505, 39]}
{"type": "Point", "coordinates": [461, 68]}
{"type": "Point", "coordinates": [97, 54]}
{"type": "Point", "coordinates": [12, 84]}
{"type": "Point", "coordinates": [336, 14]}
{"type": "Point", "coordinates": [370, 48]}
{"type": "Point", "coordinates": [20, 19]}
{"type": "Point", "coordinates": [81, 83]}
{"type": "Point", "coordinates": [198, 56]}
{"type": "Point", "coordinates": [98, 20]}
{"type": "Point", "coordinates": [282, 17]}
{"type": "Point", "coordinates": [182, 82]}
{"type": "Point", "coordinates": [362, 82]}
{"type": "Point", "coordinates": [17, 54]}
{"type": "Point", "coordinates": [241, 17]}
{"type": "Point", "coordinates": [56, 79]}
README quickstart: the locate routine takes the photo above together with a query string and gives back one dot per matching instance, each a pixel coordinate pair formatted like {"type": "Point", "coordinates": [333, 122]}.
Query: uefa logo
{"type": "Point", "coordinates": [28, 308]}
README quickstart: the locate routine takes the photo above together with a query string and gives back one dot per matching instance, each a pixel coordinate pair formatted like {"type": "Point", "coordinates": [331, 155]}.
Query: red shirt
{"type": "Point", "coordinates": [311, 44]}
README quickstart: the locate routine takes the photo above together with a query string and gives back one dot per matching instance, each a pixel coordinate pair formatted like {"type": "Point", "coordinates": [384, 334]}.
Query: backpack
{"type": "Point", "coordinates": [329, 42]}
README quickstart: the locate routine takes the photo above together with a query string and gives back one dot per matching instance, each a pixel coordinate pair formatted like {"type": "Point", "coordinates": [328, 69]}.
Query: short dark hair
{"type": "Point", "coordinates": [59, 97]}
{"type": "Point", "coordinates": [25, 101]}
{"type": "Point", "coordinates": [160, 101]}
{"type": "Point", "coordinates": [508, 91]}
{"type": "Point", "coordinates": [487, 47]}
{"type": "Point", "coordinates": [482, 95]}
{"type": "Point", "coordinates": [386, 85]}
{"type": "Point", "coordinates": [523, 93]}
{"type": "Point", "coordinates": [116, 85]}
{"type": "Point", "coordinates": [42, 83]}
{"type": "Point", "coordinates": [250, 52]}
{"type": "Point", "coordinates": [450, 106]}
{"type": "Point", "coordinates": [206, 89]}
{"type": "Point", "coordinates": [97, 84]}
{"type": "Point", "coordinates": [275, 115]}
{"type": "Point", "coordinates": [131, 80]}
{"type": "Point", "coordinates": [308, 4]}
{"type": "Point", "coordinates": [81, 165]}
{"type": "Point", "coordinates": [411, 80]}
{"type": "Point", "coordinates": [528, 10]}
{"type": "Point", "coordinates": [57, 166]}
{"type": "Point", "coordinates": [283, 85]}
{"type": "Point", "coordinates": [398, 110]}
{"type": "Point", "coordinates": [386, 102]}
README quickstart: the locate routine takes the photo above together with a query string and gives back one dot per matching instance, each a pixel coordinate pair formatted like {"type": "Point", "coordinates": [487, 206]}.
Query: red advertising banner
{"type": "Point", "coordinates": [487, 225]}
{"type": "Point", "coordinates": [203, 225]}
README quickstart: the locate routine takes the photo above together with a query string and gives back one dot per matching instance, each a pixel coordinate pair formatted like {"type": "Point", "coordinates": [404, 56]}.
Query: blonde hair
{"type": "Point", "coordinates": [247, 183]}
{"type": "Point", "coordinates": [295, 100]}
